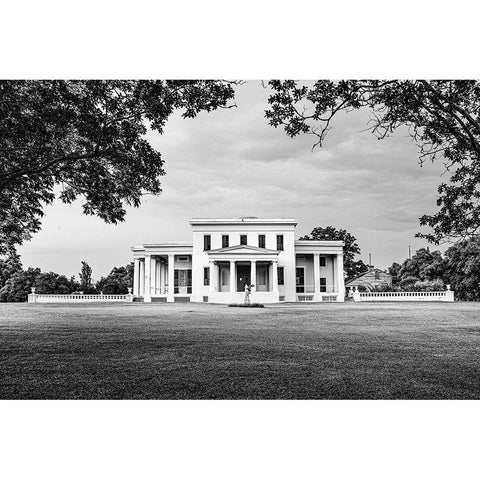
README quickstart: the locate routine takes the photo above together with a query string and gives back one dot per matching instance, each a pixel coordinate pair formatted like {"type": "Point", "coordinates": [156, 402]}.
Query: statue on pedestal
{"type": "Point", "coordinates": [248, 289]}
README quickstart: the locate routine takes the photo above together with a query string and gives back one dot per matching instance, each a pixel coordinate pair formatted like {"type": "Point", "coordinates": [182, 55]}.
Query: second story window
{"type": "Point", "coordinates": [225, 241]}
{"type": "Point", "coordinates": [243, 239]}
{"type": "Point", "coordinates": [261, 241]}
{"type": "Point", "coordinates": [279, 242]}
{"type": "Point", "coordinates": [207, 242]}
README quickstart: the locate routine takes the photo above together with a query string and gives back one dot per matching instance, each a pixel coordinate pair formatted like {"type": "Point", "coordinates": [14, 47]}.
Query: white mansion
{"type": "Point", "coordinates": [227, 253]}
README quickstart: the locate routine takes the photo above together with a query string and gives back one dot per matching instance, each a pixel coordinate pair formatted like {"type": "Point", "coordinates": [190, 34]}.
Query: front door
{"type": "Point", "coordinates": [243, 277]}
{"type": "Point", "coordinates": [300, 274]}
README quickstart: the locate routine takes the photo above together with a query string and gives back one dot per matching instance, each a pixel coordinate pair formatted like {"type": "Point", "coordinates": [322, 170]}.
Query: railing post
{"type": "Point", "coordinates": [32, 297]}
{"type": "Point", "coordinates": [129, 297]}
{"type": "Point", "coordinates": [356, 295]}
{"type": "Point", "coordinates": [449, 297]}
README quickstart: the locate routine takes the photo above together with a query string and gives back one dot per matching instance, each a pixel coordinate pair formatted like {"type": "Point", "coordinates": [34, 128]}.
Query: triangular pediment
{"type": "Point", "coordinates": [246, 249]}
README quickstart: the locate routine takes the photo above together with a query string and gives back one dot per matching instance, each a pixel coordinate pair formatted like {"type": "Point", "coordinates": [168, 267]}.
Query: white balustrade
{"type": "Point", "coordinates": [440, 296]}
{"type": "Point", "coordinates": [77, 298]}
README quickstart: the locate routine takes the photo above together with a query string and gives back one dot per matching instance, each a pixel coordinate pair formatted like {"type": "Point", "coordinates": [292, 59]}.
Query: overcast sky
{"type": "Point", "coordinates": [232, 163]}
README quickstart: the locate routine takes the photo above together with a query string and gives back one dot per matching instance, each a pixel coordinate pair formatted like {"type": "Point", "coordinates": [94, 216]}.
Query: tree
{"type": "Point", "coordinates": [86, 278]}
{"type": "Point", "coordinates": [19, 285]}
{"type": "Point", "coordinates": [350, 249]}
{"type": "Point", "coordinates": [119, 280]}
{"type": "Point", "coordinates": [88, 138]}
{"type": "Point", "coordinates": [443, 119]}
{"type": "Point", "coordinates": [9, 265]}
{"type": "Point", "coordinates": [424, 265]}
{"type": "Point", "coordinates": [51, 282]}
{"type": "Point", "coordinates": [463, 269]}
{"type": "Point", "coordinates": [394, 271]}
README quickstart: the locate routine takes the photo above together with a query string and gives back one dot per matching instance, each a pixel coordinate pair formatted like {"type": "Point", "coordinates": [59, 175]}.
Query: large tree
{"type": "Point", "coordinates": [463, 269]}
{"type": "Point", "coordinates": [87, 138]}
{"type": "Point", "coordinates": [443, 117]}
{"type": "Point", "coordinates": [350, 249]}
{"type": "Point", "coordinates": [118, 281]}
{"type": "Point", "coordinates": [424, 265]}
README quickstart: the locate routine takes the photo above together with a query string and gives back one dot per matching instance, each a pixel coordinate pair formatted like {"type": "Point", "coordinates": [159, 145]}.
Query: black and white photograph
{"type": "Point", "coordinates": [275, 259]}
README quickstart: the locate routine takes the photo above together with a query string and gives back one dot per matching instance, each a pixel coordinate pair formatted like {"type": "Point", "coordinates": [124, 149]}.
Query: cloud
{"type": "Point", "coordinates": [231, 162]}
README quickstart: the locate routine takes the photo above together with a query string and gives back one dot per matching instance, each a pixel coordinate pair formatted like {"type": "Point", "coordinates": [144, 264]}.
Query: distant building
{"type": "Point", "coordinates": [225, 254]}
{"type": "Point", "coordinates": [370, 279]}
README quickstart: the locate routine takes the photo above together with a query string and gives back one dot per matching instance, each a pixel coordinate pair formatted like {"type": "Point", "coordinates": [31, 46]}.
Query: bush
{"type": "Point", "coordinates": [247, 305]}
{"type": "Point", "coordinates": [429, 286]}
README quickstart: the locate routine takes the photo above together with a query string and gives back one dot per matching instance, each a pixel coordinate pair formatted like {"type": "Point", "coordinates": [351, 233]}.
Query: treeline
{"type": "Point", "coordinates": [427, 270]}
{"type": "Point", "coordinates": [16, 283]}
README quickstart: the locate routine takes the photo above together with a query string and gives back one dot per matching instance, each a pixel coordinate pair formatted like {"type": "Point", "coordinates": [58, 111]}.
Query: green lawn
{"type": "Point", "coordinates": [189, 351]}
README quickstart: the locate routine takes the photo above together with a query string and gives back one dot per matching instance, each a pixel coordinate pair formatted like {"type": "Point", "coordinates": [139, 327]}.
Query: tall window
{"type": "Point", "coordinates": [182, 281]}
{"type": "Point", "coordinates": [323, 261]}
{"type": "Point", "coordinates": [207, 242]}
{"type": "Point", "coordinates": [281, 276]}
{"type": "Point", "coordinates": [261, 241]}
{"type": "Point", "coordinates": [323, 284]}
{"type": "Point", "coordinates": [279, 242]}
{"type": "Point", "coordinates": [243, 239]}
{"type": "Point", "coordinates": [206, 275]}
{"type": "Point", "coordinates": [225, 241]}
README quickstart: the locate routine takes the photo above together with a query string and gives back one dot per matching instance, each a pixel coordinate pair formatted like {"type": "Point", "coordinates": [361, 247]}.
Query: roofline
{"type": "Point", "coordinates": [243, 220]}
{"type": "Point", "coordinates": [364, 273]}
{"type": "Point", "coordinates": [320, 243]}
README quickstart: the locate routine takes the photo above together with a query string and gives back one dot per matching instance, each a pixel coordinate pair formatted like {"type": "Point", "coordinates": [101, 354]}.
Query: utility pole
{"type": "Point", "coordinates": [370, 259]}
{"type": "Point", "coordinates": [410, 252]}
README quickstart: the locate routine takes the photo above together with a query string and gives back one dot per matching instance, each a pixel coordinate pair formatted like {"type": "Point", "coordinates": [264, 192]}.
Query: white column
{"type": "Point", "coordinates": [232, 277]}
{"type": "Point", "coordinates": [253, 275]}
{"type": "Point", "coordinates": [340, 279]}
{"type": "Point", "coordinates": [157, 276]}
{"type": "Point", "coordinates": [153, 276]}
{"type": "Point", "coordinates": [316, 273]}
{"type": "Point", "coordinates": [212, 277]}
{"type": "Point", "coordinates": [136, 274]}
{"type": "Point", "coordinates": [162, 278]}
{"type": "Point", "coordinates": [171, 278]}
{"type": "Point", "coordinates": [275, 276]}
{"type": "Point", "coordinates": [148, 277]}
{"type": "Point", "coordinates": [141, 291]}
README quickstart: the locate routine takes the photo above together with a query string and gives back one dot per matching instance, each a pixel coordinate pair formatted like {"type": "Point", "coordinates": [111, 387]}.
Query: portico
{"type": "Point", "coordinates": [232, 268]}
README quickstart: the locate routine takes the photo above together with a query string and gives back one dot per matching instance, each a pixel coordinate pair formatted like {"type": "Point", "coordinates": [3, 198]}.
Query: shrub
{"type": "Point", "coordinates": [247, 305]}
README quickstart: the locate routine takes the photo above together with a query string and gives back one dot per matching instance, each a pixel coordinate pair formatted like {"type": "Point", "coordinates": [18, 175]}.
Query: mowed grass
{"type": "Point", "coordinates": [200, 351]}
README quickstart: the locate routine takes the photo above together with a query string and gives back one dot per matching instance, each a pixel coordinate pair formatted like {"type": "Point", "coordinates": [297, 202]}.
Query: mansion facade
{"type": "Point", "coordinates": [226, 254]}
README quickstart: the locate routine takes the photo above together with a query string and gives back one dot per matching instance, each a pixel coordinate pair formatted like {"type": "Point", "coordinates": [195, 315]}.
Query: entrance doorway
{"type": "Point", "coordinates": [243, 276]}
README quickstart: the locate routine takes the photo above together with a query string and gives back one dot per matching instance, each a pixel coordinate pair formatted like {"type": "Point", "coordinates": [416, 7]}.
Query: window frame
{"type": "Point", "coordinates": [280, 243]}
{"type": "Point", "coordinates": [261, 240]}
{"type": "Point", "coordinates": [207, 239]}
{"type": "Point", "coordinates": [281, 275]}
{"type": "Point", "coordinates": [225, 244]}
{"type": "Point", "coordinates": [246, 239]}
{"type": "Point", "coordinates": [206, 276]}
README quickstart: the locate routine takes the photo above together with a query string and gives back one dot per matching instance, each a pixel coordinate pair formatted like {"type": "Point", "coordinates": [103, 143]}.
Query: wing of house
{"type": "Point", "coordinates": [370, 279]}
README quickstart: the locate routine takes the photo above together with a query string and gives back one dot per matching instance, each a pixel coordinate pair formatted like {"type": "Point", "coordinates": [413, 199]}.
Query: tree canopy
{"type": "Point", "coordinates": [88, 138]}
{"type": "Point", "coordinates": [443, 117]}
{"type": "Point", "coordinates": [350, 249]}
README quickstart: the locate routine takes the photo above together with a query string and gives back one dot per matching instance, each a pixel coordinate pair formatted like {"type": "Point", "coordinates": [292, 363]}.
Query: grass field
{"type": "Point", "coordinates": [192, 351]}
